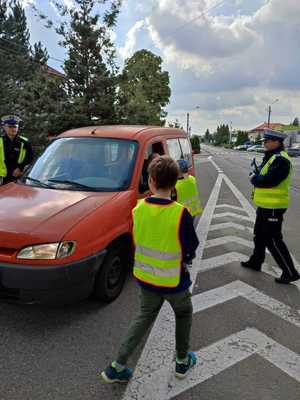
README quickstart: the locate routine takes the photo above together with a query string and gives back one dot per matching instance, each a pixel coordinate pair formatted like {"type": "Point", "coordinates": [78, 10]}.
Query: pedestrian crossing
{"type": "Point", "coordinates": [231, 226]}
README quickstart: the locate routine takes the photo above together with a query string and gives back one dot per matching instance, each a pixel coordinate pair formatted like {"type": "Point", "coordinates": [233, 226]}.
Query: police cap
{"type": "Point", "coordinates": [10, 120]}
{"type": "Point", "coordinates": [270, 134]}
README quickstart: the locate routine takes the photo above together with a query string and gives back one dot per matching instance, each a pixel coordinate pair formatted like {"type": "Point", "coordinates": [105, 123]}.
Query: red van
{"type": "Point", "coordinates": [65, 227]}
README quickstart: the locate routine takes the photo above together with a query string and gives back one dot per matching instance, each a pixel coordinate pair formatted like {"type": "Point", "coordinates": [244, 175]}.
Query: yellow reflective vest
{"type": "Point", "coordinates": [22, 155]}
{"type": "Point", "coordinates": [275, 197]}
{"type": "Point", "coordinates": [158, 253]}
{"type": "Point", "coordinates": [188, 196]}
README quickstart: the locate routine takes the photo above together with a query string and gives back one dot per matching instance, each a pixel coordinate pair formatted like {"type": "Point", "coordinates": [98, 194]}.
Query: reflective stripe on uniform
{"type": "Point", "coordinates": [164, 272]}
{"type": "Point", "coordinates": [157, 254]}
{"type": "Point", "coordinates": [3, 169]}
{"type": "Point", "coordinates": [22, 154]}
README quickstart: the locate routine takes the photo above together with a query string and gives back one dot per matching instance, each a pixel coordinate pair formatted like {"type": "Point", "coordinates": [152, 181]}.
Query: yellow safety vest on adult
{"type": "Point", "coordinates": [22, 155]}
{"type": "Point", "coordinates": [187, 195]}
{"type": "Point", "coordinates": [278, 196]}
{"type": "Point", "coordinates": [158, 253]}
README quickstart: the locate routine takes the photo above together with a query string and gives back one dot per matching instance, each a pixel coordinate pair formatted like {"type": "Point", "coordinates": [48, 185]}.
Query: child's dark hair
{"type": "Point", "coordinates": [164, 171]}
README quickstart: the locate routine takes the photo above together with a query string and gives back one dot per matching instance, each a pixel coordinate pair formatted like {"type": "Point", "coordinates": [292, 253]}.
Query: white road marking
{"type": "Point", "coordinates": [230, 206]}
{"type": "Point", "coordinates": [236, 289]}
{"type": "Point", "coordinates": [228, 258]}
{"type": "Point", "coordinates": [228, 239]}
{"type": "Point", "coordinates": [225, 225]}
{"type": "Point", "coordinates": [235, 348]}
{"type": "Point", "coordinates": [232, 215]}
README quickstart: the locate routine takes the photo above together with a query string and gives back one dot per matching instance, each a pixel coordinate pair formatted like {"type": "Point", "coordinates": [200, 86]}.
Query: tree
{"type": "Point", "coordinates": [90, 64]}
{"type": "Point", "coordinates": [221, 137]}
{"type": "Point", "coordinates": [296, 122]}
{"type": "Point", "coordinates": [144, 90]}
{"type": "Point", "coordinates": [207, 136]}
{"type": "Point", "coordinates": [242, 137]}
{"type": "Point", "coordinates": [195, 142]}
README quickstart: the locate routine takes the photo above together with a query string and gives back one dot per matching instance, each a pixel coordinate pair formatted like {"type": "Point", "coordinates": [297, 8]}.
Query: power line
{"type": "Point", "coordinates": [196, 18]}
{"type": "Point", "coordinates": [11, 42]}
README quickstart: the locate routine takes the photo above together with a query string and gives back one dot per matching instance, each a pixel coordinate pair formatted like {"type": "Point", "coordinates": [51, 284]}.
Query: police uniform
{"type": "Point", "coordinates": [271, 196]}
{"type": "Point", "coordinates": [14, 153]}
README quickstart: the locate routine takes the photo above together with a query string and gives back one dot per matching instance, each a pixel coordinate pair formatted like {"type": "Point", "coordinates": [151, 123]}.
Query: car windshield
{"type": "Point", "coordinates": [96, 164]}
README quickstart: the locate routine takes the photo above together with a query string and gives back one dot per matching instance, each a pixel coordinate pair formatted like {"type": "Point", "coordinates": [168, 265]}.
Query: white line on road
{"type": "Point", "coordinates": [230, 206]}
{"type": "Point", "coordinates": [235, 348]}
{"type": "Point", "coordinates": [225, 225]}
{"type": "Point", "coordinates": [236, 289]}
{"type": "Point", "coordinates": [221, 241]}
{"type": "Point", "coordinates": [228, 258]}
{"type": "Point", "coordinates": [232, 215]}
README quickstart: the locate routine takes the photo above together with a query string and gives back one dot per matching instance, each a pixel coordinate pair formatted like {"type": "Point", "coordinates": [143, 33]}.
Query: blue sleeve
{"type": "Point", "coordinates": [188, 237]}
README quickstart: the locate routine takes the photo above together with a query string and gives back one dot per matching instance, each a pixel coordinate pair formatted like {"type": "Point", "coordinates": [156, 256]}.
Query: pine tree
{"type": "Point", "coordinates": [90, 65]}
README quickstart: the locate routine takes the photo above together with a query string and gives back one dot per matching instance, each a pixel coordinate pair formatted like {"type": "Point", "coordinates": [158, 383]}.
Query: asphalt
{"type": "Point", "coordinates": [56, 353]}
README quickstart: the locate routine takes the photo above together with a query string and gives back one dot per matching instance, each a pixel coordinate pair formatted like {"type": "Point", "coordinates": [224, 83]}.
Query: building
{"type": "Point", "coordinates": [258, 132]}
{"type": "Point", "coordinates": [53, 72]}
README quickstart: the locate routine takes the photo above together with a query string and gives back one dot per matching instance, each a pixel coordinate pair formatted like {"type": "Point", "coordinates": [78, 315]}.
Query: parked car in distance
{"type": "Point", "coordinates": [294, 151]}
{"type": "Point", "coordinates": [241, 147]}
{"type": "Point", "coordinates": [256, 148]}
{"type": "Point", "coordinates": [66, 226]}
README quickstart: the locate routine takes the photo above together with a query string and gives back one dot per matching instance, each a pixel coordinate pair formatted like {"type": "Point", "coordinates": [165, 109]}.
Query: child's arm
{"type": "Point", "coordinates": [188, 237]}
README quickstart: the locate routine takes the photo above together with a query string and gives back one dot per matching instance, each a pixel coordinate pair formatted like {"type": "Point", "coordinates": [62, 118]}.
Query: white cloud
{"type": "Point", "coordinates": [131, 39]}
{"type": "Point", "coordinates": [245, 59]}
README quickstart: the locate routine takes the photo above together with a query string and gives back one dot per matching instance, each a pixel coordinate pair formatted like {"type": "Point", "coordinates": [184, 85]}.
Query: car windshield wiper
{"type": "Point", "coordinates": [40, 183]}
{"type": "Point", "coordinates": [72, 183]}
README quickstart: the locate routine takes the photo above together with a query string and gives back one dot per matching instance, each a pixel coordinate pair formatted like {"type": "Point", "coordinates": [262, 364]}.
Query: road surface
{"type": "Point", "coordinates": [246, 328]}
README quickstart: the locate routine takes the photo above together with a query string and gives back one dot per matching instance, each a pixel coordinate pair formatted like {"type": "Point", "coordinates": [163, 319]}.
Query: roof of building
{"type": "Point", "coordinates": [262, 127]}
{"type": "Point", "coordinates": [54, 72]}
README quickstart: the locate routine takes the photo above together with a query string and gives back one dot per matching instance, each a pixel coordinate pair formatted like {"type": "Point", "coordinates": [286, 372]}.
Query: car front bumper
{"type": "Point", "coordinates": [49, 284]}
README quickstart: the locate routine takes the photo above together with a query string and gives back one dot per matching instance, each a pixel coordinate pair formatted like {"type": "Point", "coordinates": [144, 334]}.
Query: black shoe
{"type": "Point", "coordinates": [285, 280]}
{"type": "Point", "coordinates": [248, 264]}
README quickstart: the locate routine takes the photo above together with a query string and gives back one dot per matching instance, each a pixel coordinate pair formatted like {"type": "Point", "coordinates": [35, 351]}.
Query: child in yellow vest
{"type": "Point", "coordinates": [186, 190]}
{"type": "Point", "coordinates": [165, 240]}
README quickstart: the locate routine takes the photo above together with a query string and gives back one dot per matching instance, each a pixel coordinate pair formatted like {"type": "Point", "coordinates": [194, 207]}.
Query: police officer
{"type": "Point", "coordinates": [271, 195]}
{"type": "Point", "coordinates": [15, 150]}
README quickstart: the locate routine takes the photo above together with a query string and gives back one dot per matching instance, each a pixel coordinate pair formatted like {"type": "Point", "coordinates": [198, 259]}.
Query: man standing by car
{"type": "Point", "coordinates": [271, 195]}
{"type": "Point", "coordinates": [15, 150]}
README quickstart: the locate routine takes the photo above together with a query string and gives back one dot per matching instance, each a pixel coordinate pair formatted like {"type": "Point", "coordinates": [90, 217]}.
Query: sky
{"type": "Point", "coordinates": [228, 60]}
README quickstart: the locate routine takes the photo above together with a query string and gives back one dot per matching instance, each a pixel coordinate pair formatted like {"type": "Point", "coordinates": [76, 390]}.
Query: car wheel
{"type": "Point", "coordinates": [112, 274]}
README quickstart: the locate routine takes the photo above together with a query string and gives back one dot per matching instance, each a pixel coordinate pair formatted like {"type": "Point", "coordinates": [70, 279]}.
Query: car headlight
{"type": "Point", "coordinates": [50, 251]}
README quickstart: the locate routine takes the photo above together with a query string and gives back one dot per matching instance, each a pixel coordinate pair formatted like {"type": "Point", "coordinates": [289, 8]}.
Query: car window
{"type": "Point", "coordinates": [174, 149]}
{"type": "Point", "coordinates": [186, 150]}
{"type": "Point", "coordinates": [102, 164]}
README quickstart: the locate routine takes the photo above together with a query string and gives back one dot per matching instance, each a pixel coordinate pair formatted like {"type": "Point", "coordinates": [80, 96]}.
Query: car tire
{"type": "Point", "coordinates": [111, 277]}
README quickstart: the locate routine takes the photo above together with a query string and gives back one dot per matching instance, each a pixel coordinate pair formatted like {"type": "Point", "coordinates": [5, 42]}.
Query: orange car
{"type": "Point", "coordinates": [65, 227]}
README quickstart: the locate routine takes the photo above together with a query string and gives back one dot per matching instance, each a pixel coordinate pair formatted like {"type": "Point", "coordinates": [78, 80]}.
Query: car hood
{"type": "Point", "coordinates": [34, 214]}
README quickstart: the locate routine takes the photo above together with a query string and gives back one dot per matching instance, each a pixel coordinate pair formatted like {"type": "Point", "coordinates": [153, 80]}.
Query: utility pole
{"type": "Point", "coordinates": [270, 111]}
{"type": "Point", "coordinates": [269, 116]}
{"type": "Point", "coordinates": [188, 124]}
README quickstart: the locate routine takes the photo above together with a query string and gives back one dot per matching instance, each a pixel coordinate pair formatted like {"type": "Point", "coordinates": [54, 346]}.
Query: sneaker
{"type": "Point", "coordinates": [249, 265]}
{"type": "Point", "coordinates": [182, 369]}
{"type": "Point", "coordinates": [287, 279]}
{"type": "Point", "coordinates": [111, 375]}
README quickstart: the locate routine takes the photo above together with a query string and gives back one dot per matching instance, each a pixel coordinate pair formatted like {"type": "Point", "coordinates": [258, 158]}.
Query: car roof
{"type": "Point", "coordinates": [133, 132]}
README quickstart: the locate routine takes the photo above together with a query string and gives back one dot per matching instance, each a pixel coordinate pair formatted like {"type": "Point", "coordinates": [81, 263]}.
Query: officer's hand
{"type": "Point", "coordinates": [17, 173]}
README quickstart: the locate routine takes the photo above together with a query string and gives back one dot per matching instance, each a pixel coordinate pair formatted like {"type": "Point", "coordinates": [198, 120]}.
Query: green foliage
{"type": "Point", "coordinates": [296, 122]}
{"type": "Point", "coordinates": [195, 142]}
{"type": "Point", "coordinates": [222, 135]}
{"type": "Point", "coordinates": [143, 90]}
{"type": "Point", "coordinates": [242, 137]}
